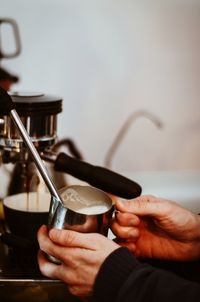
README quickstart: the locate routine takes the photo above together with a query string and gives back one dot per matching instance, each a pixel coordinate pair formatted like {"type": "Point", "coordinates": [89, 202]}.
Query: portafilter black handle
{"type": "Point", "coordinates": [98, 177]}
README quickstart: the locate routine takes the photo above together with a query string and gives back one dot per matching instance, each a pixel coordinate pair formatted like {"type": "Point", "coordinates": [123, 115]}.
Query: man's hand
{"type": "Point", "coordinates": [81, 256]}
{"type": "Point", "coordinates": [157, 228]}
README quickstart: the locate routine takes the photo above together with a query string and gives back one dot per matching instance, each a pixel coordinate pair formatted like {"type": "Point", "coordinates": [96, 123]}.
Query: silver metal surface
{"type": "Point", "coordinates": [31, 148]}
{"type": "Point", "coordinates": [22, 280]}
{"type": "Point", "coordinates": [41, 129]}
{"type": "Point", "coordinates": [96, 220]}
{"type": "Point", "coordinates": [88, 210]}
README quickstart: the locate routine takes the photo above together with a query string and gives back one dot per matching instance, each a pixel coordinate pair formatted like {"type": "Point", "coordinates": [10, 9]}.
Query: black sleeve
{"type": "Point", "coordinates": [123, 278]}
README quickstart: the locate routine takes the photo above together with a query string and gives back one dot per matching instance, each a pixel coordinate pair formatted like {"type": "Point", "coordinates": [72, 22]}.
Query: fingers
{"type": "Point", "coordinates": [59, 243]}
{"type": "Point", "coordinates": [63, 253]}
{"type": "Point", "coordinates": [48, 246]}
{"type": "Point", "coordinates": [145, 205]}
{"type": "Point", "coordinates": [128, 233]}
{"type": "Point", "coordinates": [55, 271]}
{"type": "Point", "coordinates": [68, 238]}
{"type": "Point", "coordinates": [47, 268]}
{"type": "Point", "coordinates": [127, 219]}
{"type": "Point", "coordinates": [125, 225]}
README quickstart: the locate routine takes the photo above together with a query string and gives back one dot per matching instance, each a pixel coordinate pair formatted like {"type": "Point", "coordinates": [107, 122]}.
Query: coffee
{"type": "Point", "coordinates": [25, 222]}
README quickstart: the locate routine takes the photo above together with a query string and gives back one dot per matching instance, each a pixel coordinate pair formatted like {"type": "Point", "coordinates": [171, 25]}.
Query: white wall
{"type": "Point", "coordinates": [109, 58]}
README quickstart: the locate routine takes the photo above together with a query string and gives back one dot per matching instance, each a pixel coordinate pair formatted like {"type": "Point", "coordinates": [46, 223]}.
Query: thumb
{"type": "Point", "coordinates": [70, 238]}
{"type": "Point", "coordinates": [145, 205]}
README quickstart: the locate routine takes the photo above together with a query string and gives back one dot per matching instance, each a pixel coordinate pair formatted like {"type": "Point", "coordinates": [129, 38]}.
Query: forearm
{"type": "Point", "coordinates": [138, 282]}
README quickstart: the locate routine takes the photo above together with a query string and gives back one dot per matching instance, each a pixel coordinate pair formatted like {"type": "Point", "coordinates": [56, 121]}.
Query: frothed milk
{"type": "Point", "coordinates": [83, 201]}
{"type": "Point", "coordinates": [83, 209]}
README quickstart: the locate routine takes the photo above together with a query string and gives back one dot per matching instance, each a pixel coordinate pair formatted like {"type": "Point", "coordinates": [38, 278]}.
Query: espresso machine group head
{"type": "Point", "coordinates": [38, 113]}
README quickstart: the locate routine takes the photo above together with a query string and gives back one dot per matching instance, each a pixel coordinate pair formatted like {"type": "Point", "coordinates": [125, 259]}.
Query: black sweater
{"type": "Point", "coordinates": [123, 278]}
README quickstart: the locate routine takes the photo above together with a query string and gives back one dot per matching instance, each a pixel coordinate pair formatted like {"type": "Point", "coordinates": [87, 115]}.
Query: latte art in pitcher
{"type": "Point", "coordinates": [80, 201]}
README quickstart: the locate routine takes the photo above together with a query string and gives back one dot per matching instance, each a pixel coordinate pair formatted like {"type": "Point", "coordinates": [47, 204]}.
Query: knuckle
{"type": "Point", "coordinates": [57, 236]}
{"type": "Point", "coordinates": [68, 237]}
{"type": "Point", "coordinates": [74, 290]}
{"type": "Point", "coordinates": [146, 198]}
{"type": "Point", "coordinates": [133, 233]}
{"type": "Point", "coordinates": [127, 219]}
{"type": "Point", "coordinates": [128, 204]}
{"type": "Point", "coordinates": [63, 237]}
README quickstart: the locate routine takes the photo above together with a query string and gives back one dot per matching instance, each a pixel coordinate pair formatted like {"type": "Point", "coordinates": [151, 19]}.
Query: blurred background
{"type": "Point", "coordinates": [122, 68]}
{"type": "Point", "coordinates": [128, 72]}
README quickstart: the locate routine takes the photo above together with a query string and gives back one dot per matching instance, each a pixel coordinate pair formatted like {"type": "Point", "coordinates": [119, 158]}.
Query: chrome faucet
{"type": "Point", "coordinates": [123, 130]}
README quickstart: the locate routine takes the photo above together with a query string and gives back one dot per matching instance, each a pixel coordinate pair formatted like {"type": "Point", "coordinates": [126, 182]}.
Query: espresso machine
{"type": "Point", "coordinates": [38, 113]}
{"type": "Point", "coordinates": [19, 283]}
{"type": "Point", "coordinates": [20, 277]}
